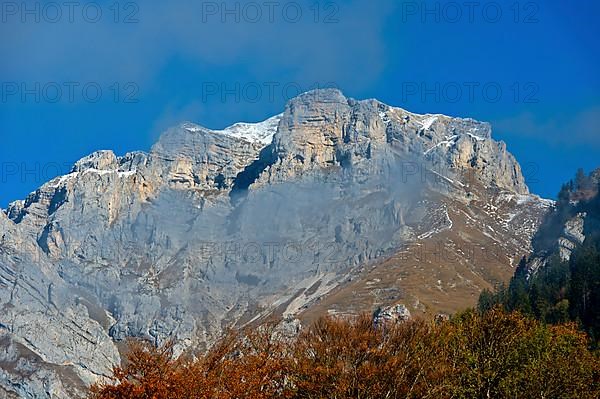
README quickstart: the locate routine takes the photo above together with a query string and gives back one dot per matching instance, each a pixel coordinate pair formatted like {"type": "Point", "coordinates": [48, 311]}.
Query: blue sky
{"type": "Point", "coordinates": [113, 75]}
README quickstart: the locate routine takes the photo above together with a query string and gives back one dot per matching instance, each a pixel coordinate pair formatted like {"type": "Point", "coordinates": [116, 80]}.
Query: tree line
{"type": "Point", "coordinates": [560, 290]}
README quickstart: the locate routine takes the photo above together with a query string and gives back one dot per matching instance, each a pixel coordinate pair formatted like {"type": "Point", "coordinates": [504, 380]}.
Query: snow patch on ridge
{"type": "Point", "coordinates": [448, 224]}
{"type": "Point", "coordinates": [426, 124]}
{"type": "Point", "coordinates": [476, 137]}
{"type": "Point", "coordinates": [191, 128]}
{"type": "Point", "coordinates": [261, 132]}
{"type": "Point", "coordinates": [384, 117]}
{"type": "Point", "coordinates": [448, 142]}
{"type": "Point", "coordinates": [525, 198]}
{"type": "Point", "coordinates": [108, 172]}
{"type": "Point", "coordinates": [60, 180]}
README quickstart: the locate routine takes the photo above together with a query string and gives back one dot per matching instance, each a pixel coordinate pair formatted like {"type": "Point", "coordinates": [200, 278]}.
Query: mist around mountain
{"type": "Point", "coordinates": [537, 337]}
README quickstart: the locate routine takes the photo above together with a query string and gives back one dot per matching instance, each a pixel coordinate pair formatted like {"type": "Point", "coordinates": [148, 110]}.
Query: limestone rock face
{"type": "Point", "coordinates": [211, 229]}
{"type": "Point", "coordinates": [190, 156]}
{"type": "Point", "coordinates": [47, 330]}
{"type": "Point", "coordinates": [99, 160]}
{"type": "Point", "coordinates": [572, 235]}
{"type": "Point", "coordinates": [391, 314]}
{"type": "Point", "coordinates": [312, 127]}
{"type": "Point", "coordinates": [323, 129]}
{"type": "Point", "coordinates": [572, 218]}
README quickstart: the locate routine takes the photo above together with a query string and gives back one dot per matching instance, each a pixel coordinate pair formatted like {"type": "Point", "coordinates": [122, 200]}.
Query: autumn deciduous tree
{"type": "Point", "coordinates": [149, 373]}
{"type": "Point", "coordinates": [473, 355]}
{"type": "Point", "coordinates": [251, 365]}
{"type": "Point", "coordinates": [506, 355]}
{"type": "Point", "coordinates": [254, 365]}
{"type": "Point", "coordinates": [352, 359]}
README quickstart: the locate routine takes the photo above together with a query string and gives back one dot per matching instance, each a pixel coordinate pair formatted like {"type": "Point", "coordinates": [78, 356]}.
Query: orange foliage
{"type": "Point", "coordinates": [497, 354]}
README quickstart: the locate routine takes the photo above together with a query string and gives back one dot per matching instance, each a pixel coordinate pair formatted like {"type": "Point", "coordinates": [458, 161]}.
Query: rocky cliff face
{"type": "Point", "coordinates": [575, 216]}
{"type": "Point", "coordinates": [217, 228]}
{"type": "Point", "coordinates": [322, 128]}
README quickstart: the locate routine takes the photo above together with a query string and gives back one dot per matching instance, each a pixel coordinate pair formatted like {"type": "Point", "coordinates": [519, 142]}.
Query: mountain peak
{"type": "Point", "coordinates": [210, 226]}
{"type": "Point", "coordinates": [99, 160]}
{"type": "Point", "coordinates": [321, 95]}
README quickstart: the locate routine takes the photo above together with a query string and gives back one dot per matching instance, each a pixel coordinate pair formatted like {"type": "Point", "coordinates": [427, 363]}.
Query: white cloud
{"type": "Point", "coordinates": [570, 129]}
{"type": "Point", "coordinates": [350, 52]}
